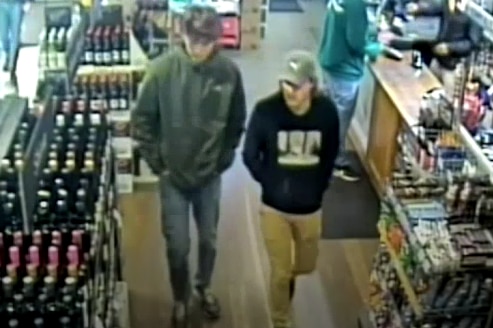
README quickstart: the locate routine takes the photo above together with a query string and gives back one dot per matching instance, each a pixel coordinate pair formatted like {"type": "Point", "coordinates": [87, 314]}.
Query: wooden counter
{"type": "Point", "coordinates": [392, 96]}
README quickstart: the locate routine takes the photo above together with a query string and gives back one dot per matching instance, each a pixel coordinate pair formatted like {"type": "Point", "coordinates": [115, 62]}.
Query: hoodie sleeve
{"type": "Point", "coordinates": [356, 26]}
{"type": "Point", "coordinates": [330, 143]}
{"type": "Point", "coordinates": [145, 120]}
{"type": "Point", "coordinates": [254, 146]}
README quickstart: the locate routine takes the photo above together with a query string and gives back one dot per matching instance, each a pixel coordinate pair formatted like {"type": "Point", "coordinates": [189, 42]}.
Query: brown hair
{"type": "Point", "coordinates": [202, 22]}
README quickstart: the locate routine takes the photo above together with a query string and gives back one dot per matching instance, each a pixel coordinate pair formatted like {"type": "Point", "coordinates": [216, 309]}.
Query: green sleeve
{"type": "Point", "coordinates": [145, 118]}
{"type": "Point", "coordinates": [235, 124]}
{"type": "Point", "coordinates": [356, 26]}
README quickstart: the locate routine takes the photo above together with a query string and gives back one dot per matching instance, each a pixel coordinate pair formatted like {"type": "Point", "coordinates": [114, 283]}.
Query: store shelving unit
{"type": "Point", "coordinates": [434, 266]}
{"type": "Point", "coordinates": [132, 72]}
{"type": "Point", "coordinates": [105, 302]}
{"type": "Point", "coordinates": [31, 134]}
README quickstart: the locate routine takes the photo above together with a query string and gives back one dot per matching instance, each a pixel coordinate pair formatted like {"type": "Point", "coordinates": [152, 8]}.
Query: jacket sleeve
{"type": "Point", "coordinates": [254, 147]}
{"type": "Point", "coordinates": [236, 122]}
{"type": "Point", "coordinates": [330, 143]}
{"type": "Point", "coordinates": [145, 120]}
{"type": "Point", "coordinates": [430, 8]}
{"type": "Point", "coordinates": [356, 26]}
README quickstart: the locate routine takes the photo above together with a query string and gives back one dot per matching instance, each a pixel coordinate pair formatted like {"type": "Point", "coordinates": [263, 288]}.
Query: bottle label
{"type": "Point", "coordinates": [116, 56]}
{"type": "Point", "coordinates": [107, 57]}
{"type": "Point", "coordinates": [125, 56]}
{"type": "Point", "coordinates": [123, 103]}
{"type": "Point", "coordinates": [89, 57]}
{"type": "Point", "coordinates": [95, 104]}
{"type": "Point", "coordinates": [61, 60]}
{"type": "Point", "coordinates": [98, 58]}
{"type": "Point", "coordinates": [114, 103]}
{"type": "Point", "coordinates": [52, 61]}
{"type": "Point", "coordinates": [81, 105]}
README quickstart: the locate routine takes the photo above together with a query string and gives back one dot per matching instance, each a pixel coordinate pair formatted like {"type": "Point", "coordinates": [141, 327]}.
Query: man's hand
{"type": "Point", "coordinates": [441, 49]}
{"type": "Point", "coordinates": [412, 8]}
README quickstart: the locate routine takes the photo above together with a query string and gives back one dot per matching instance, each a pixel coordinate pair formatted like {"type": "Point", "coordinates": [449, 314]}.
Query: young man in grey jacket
{"type": "Point", "coordinates": [188, 121]}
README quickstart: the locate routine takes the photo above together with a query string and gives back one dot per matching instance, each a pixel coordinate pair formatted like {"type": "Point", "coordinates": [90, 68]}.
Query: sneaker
{"type": "Point", "coordinates": [347, 174]}
{"type": "Point", "coordinates": [179, 318]}
{"type": "Point", "coordinates": [292, 288]}
{"type": "Point", "coordinates": [209, 304]}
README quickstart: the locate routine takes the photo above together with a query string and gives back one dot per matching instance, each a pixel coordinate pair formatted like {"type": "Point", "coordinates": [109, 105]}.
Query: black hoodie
{"type": "Point", "coordinates": [292, 156]}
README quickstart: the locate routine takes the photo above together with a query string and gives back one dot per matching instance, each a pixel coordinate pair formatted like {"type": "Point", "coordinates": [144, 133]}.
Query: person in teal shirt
{"type": "Point", "coordinates": [345, 44]}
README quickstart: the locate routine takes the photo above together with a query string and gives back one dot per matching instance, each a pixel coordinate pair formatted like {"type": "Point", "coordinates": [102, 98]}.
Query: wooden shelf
{"type": "Point", "coordinates": [404, 279]}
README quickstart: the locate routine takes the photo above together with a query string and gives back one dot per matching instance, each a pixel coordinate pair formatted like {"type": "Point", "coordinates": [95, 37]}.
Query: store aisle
{"type": "Point", "coordinates": [329, 298]}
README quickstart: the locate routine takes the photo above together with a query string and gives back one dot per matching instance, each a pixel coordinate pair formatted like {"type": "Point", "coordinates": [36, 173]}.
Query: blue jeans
{"type": "Point", "coordinates": [344, 93]}
{"type": "Point", "coordinates": [11, 14]}
{"type": "Point", "coordinates": [175, 212]}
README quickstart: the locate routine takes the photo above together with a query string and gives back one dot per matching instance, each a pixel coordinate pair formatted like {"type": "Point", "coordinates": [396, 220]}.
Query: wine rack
{"type": "Point", "coordinates": [59, 227]}
{"type": "Point", "coordinates": [112, 67]}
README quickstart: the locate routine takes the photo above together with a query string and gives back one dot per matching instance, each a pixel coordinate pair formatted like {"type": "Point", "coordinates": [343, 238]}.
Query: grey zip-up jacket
{"type": "Point", "coordinates": [189, 117]}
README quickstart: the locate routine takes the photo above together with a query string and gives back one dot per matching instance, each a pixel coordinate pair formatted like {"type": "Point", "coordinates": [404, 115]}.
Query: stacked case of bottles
{"type": "Point", "coordinates": [151, 26]}
{"type": "Point", "coordinates": [61, 268]}
{"type": "Point", "coordinates": [62, 42]}
{"type": "Point", "coordinates": [107, 78]}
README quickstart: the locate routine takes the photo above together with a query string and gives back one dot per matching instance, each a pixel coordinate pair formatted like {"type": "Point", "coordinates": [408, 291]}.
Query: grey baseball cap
{"type": "Point", "coordinates": [299, 66]}
{"type": "Point", "coordinates": [201, 22]}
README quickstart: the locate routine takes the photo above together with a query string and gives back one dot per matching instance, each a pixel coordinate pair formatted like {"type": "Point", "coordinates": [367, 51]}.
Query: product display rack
{"type": "Point", "coordinates": [434, 266]}
{"type": "Point", "coordinates": [60, 230]}
{"type": "Point", "coordinates": [62, 42]}
{"type": "Point", "coordinates": [60, 260]}
{"type": "Point", "coordinates": [113, 65]}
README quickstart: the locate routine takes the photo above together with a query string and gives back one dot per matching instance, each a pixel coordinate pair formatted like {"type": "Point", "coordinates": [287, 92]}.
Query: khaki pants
{"type": "Point", "coordinates": [292, 247]}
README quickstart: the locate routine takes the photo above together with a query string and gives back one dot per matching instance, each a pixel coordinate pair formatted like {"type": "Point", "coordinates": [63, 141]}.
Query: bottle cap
{"type": "Point", "coordinates": [48, 280]}
{"type": "Point", "coordinates": [39, 322]}
{"type": "Point", "coordinates": [70, 281]}
{"type": "Point", "coordinates": [64, 321]}
{"type": "Point", "coordinates": [27, 280]}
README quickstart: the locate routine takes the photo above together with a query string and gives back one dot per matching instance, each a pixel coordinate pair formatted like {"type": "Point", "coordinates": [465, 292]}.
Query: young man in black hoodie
{"type": "Point", "coordinates": [188, 122]}
{"type": "Point", "coordinates": [291, 145]}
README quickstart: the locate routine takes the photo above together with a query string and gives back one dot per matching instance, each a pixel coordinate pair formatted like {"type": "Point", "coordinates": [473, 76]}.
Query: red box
{"type": "Point", "coordinates": [231, 32]}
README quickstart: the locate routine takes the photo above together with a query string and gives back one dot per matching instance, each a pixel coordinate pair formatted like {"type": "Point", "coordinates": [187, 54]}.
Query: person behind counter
{"type": "Point", "coordinates": [290, 148]}
{"type": "Point", "coordinates": [477, 102]}
{"type": "Point", "coordinates": [188, 121]}
{"type": "Point", "coordinates": [345, 43]}
{"type": "Point", "coordinates": [455, 40]}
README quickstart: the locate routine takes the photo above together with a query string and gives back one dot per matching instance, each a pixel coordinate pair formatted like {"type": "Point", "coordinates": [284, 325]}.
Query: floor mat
{"type": "Point", "coordinates": [285, 6]}
{"type": "Point", "coordinates": [351, 209]}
